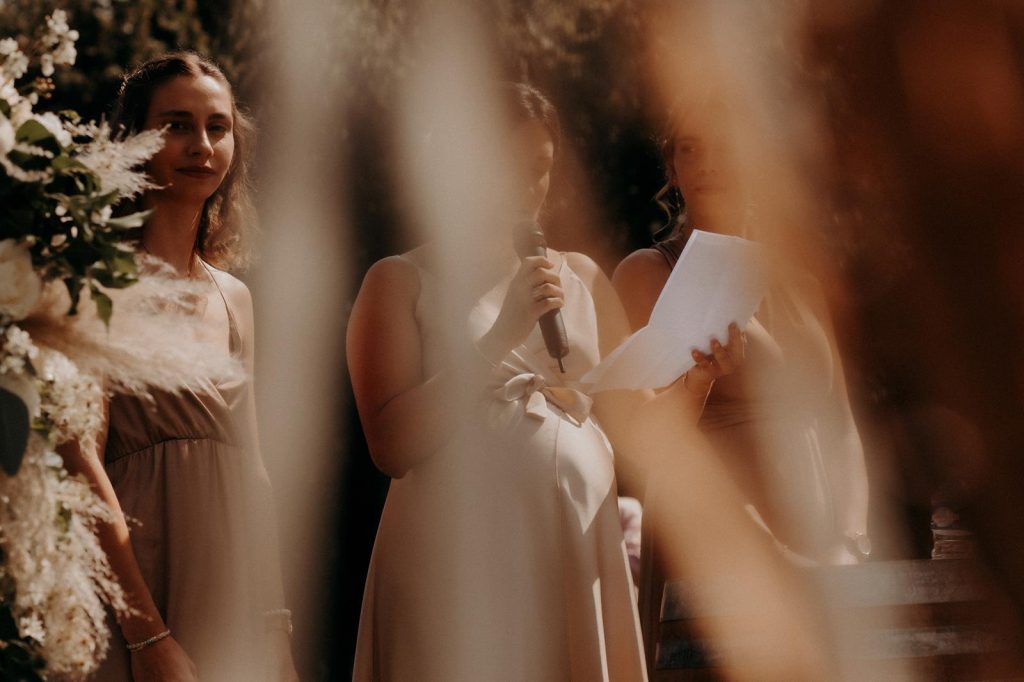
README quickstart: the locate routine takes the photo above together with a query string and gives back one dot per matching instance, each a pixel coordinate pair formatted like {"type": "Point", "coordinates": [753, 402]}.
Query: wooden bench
{"type": "Point", "coordinates": [936, 619]}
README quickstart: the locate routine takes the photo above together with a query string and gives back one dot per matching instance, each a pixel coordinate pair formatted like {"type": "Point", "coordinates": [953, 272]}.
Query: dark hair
{"type": "Point", "coordinates": [228, 216]}
{"type": "Point", "coordinates": [524, 102]}
{"type": "Point", "coordinates": [669, 197]}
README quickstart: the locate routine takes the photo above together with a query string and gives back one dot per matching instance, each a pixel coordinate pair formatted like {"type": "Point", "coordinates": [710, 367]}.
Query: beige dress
{"type": "Point", "coordinates": [506, 561]}
{"type": "Point", "coordinates": [778, 425]}
{"type": "Point", "coordinates": [201, 516]}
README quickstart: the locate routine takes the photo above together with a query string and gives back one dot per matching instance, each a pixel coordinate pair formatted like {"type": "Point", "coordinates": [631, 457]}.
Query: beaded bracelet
{"type": "Point", "coordinates": [284, 614]}
{"type": "Point", "coordinates": [138, 646]}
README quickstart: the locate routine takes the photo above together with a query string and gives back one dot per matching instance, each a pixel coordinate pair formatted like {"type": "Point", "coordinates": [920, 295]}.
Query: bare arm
{"type": "Point", "coordinates": [406, 416]}
{"type": "Point", "coordinates": [165, 659]}
{"type": "Point", "coordinates": [638, 280]}
{"type": "Point", "coordinates": [114, 540]}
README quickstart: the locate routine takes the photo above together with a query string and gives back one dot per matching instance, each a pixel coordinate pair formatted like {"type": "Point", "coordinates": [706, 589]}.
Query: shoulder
{"type": "Point", "coordinates": [394, 276]}
{"type": "Point", "coordinates": [584, 267]}
{"type": "Point", "coordinates": [593, 278]}
{"type": "Point", "coordinates": [638, 280]}
{"type": "Point", "coordinates": [234, 290]}
{"type": "Point", "coordinates": [590, 273]}
{"type": "Point", "coordinates": [644, 269]}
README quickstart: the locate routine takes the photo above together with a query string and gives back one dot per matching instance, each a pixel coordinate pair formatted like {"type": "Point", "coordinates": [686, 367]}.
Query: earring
{"type": "Point", "coordinates": [677, 198]}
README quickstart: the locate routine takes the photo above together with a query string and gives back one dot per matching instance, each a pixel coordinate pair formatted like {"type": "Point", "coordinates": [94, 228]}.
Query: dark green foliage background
{"type": "Point", "coordinates": [117, 34]}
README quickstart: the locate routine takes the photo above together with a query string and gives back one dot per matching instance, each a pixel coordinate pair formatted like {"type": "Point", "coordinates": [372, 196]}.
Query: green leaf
{"type": "Point", "coordinates": [65, 163]}
{"type": "Point", "coordinates": [74, 285]}
{"type": "Point", "coordinates": [108, 199]}
{"type": "Point", "coordinates": [123, 262]}
{"type": "Point", "coordinates": [35, 133]}
{"type": "Point", "coordinates": [130, 221]}
{"type": "Point", "coordinates": [32, 131]}
{"type": "Point", "coordinates": [104, 306]}
{"type": "Point", "coordinates": [63, 518]}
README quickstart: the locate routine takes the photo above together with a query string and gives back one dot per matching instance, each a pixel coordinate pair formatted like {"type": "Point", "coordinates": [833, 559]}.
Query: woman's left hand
{"type": "Point", "coordinates": [722, 360]}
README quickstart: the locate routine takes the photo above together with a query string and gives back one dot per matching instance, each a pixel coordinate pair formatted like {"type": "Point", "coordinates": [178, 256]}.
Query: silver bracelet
{"type": "Point", "coordinates": [285, 617]}
{"type": "Point", "coordinates": [138, 646]}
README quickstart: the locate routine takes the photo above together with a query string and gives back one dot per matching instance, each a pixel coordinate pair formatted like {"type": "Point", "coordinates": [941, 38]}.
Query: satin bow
{"type": "Point", "coordinates": [532, 391]}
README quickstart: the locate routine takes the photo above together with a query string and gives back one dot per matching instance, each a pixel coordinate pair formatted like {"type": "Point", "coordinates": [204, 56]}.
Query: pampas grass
{"type": "Point", "coordinates": [152, 343]}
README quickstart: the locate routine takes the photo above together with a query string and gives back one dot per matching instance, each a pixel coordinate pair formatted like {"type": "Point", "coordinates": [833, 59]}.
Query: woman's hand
{"type": "Point", "coordinates": [722, 360]}
{"type": "Point", "coordinates": [163, 661]}
{"type": "Point", "coordinates": [534, 290]}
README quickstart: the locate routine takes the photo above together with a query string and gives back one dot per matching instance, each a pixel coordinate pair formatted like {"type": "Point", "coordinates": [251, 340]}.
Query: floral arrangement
{"type": "Point", "coordinates": [61, 180]}
{"type": "Point", "coordinates": [65, 257]}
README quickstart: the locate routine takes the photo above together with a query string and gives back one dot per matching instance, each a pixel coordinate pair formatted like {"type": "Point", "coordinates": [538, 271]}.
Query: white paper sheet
{"type": "Point", "coordinates": [719, 279]}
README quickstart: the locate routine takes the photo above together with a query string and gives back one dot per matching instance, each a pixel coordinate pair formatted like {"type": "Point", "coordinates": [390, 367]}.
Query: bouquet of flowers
{"type": "Point", "coordinates": [64, 259]}
{"type": "Point", "coordinates": [61, 179]}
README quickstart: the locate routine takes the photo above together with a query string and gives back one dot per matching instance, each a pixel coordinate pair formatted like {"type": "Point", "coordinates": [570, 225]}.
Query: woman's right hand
{"type": "Point", "coordinates": [534, 290]}
{"type": "Point", "coordinates": [163, 661]}
{"type": "Point", "coordinates": [721, 361]}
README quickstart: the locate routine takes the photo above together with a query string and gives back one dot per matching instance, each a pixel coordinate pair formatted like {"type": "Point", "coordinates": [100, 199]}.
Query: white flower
{"type": "Point", "coordinates": [53, 559]}
{"type": "Point", "coordinates": [14, 63]}
{"type": "Point", "coordinates": [46, 64]}
{"type": "Point", "coordinates": [17, 341]}
{"type": "Point", "coordinates": [72, 401]}
{"type": "Point", "coordinates": [57, 23]}
{"type": "Point", "coordinates": [21, 111]}
{"type": "Point", "coordinates": [52, 122]}
{"type": "Point", "coordinates": [59, 41]}
{"type": "Point", "coordinates": [65, 53]}
{"type": "Point", "coordinates": [20, 286]}
{"type": "Point", "coordinates": [17, 352]}
{"type": "Point", "coordinates": [9, 92]}
{"type": "Point", "coordinates": [6, 136]}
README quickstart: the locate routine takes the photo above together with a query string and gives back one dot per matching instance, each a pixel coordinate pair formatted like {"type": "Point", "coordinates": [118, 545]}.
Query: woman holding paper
{"type": "Point", "coordinates": [782, 424]}
{"type": "Point", "coordinates": [499, 553]}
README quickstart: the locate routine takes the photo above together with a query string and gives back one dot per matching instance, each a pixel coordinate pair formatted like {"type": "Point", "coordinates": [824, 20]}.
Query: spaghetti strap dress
{"type": "Point", "coordinates": [506, 562]}
{"type": "Point", "coordinates": [200, 513]}
{"type": "Point", "coordinates": [779, 448]}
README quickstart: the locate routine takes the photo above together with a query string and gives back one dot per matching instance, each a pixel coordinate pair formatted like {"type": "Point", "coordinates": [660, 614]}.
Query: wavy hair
{"type": "Point", "coordinates": [669, 197]}
{"type": "Point", "coordinates": [227, 221]}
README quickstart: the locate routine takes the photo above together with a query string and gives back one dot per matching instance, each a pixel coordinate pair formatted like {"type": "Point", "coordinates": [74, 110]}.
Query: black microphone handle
{"type": "Point", "coordinates": [529, 241]}
{"type": "Point", "coordinates": [552, 328]}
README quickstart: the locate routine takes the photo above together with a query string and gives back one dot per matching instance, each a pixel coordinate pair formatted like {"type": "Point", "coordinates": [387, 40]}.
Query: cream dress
{"type": "Point", "coordinates": [502, 557]}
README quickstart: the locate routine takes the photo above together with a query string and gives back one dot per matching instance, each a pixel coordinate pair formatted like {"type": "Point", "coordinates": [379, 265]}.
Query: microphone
{"type": "Point", "coordinates": [529, 241]}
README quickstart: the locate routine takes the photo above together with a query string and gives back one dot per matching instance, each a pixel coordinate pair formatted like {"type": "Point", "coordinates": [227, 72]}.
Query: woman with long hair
{"type": "Point", "coordinates": [499, 553]}
{"type": "Point", "coordinates": [781, 424]}
{"type": "Point", "coordinates": [199, 565]}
